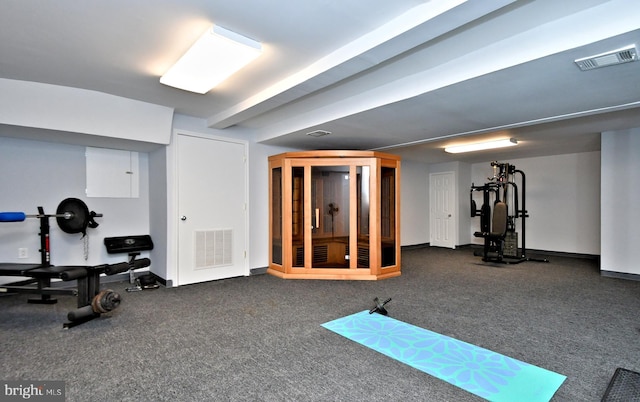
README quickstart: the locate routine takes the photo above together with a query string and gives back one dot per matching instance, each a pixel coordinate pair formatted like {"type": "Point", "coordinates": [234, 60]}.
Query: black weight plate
{"type": "Point", "coordinates": [80, 216]}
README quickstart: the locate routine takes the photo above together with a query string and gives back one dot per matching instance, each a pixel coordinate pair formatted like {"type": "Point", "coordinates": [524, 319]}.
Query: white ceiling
{"type": "Point", "coordinates": [402, 76]}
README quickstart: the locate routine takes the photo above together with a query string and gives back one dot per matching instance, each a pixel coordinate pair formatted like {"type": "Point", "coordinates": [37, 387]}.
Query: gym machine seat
{"type": "Point", "coordinates": [494, 239]}
{"type": "Point", "coordinates": [131, 245]}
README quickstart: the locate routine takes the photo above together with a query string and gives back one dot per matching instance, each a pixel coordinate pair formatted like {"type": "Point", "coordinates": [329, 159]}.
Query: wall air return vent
{"type": "Point", "coordinates": [213, 248]}
{"type": "Point", "coordinates": [624, 55]}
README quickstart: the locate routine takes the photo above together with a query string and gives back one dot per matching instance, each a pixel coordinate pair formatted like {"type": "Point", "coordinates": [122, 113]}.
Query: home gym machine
{"type": "Point", "coordinates": [72, 216]}
{"type": "Point", "coordinates": [497, 225]}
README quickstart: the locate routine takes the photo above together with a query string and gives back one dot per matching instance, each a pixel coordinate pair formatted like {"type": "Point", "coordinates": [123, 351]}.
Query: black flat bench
{"type": "Point", "coordinates": [13, 269]}
{"type": "Point", "coordinates": [91, 300]}
{"type": "Point", "coordinates": [41, 276]}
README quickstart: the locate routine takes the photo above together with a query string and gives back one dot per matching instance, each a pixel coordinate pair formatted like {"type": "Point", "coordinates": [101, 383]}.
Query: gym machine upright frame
{"type": "Point", "coordinates": [503, 178]}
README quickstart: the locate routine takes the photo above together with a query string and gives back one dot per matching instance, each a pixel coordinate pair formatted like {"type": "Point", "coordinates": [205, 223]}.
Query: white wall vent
{"type": "Point", "coordinates": [624, 55]}
{"type": "Point", "coordinates": [213, 248]}
{"type": "Point", "coordinates": [318, 133]}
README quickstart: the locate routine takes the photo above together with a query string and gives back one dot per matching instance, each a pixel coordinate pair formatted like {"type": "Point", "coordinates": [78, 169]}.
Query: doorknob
{"type": "Point", "coordinates": [183, 218]}
{"type": "Point", "coordinates": [448, 216]}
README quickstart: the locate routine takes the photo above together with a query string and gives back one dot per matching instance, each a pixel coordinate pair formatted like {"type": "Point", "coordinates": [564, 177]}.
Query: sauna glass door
{"type": "Point", "coordinates": [297, 216]}
{"type": "Point", "coordinates": [363, 207]}
{"type": "Point", "coordinates": [388, 216]}
{"type": "Point", "coordinates": [330, 202]}
{"type": "Point", "coordinates": [276, 215]}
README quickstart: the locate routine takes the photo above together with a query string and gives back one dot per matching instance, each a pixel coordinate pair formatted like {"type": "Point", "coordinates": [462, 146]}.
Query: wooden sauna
{"type": "Point", "coordinates": [334, 215]}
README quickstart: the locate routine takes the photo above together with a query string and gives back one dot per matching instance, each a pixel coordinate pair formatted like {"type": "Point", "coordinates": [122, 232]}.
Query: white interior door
{"type": "Point", "coordinates": [212, 198]}
{"type": "Point", "coordinates": [442, 210]}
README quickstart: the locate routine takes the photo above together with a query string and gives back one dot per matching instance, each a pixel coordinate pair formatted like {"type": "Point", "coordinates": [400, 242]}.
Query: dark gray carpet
{"type": "Point", "coordinates": [259, 338]}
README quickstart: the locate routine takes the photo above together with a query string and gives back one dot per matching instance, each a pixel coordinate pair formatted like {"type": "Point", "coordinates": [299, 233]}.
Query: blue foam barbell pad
{"type": "Point", "coordinates": [12, 216]}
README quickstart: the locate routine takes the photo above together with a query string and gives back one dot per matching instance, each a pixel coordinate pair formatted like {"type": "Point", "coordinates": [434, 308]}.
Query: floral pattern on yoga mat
{"type": "Point", "coordinates": [477, 370]}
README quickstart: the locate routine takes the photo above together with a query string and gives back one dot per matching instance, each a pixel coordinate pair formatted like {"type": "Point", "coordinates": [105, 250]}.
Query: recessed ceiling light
{"type": "Point", "coordinates": [479, 146]}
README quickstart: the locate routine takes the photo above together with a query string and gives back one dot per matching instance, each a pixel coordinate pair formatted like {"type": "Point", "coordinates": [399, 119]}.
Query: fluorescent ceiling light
{"type": "Point", "coordinates": [213, 58]}
{"type": "Point", "coordinates": [479, 146]}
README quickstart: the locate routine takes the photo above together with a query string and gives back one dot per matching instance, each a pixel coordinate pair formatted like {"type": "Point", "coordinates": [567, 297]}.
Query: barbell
{"type": "Point", "coordinates": [72, 215]}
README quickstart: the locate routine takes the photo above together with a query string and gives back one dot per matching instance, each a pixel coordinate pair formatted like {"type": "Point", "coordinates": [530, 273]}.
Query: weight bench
{"type": "Point", "coordinates": [73, 216]}
{"type": "Point", "coordinates": [91, 301]}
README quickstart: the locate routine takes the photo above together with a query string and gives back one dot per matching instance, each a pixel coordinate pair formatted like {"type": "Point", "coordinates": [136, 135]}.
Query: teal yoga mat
{"type": "Point", "coordinates": [482, 372]}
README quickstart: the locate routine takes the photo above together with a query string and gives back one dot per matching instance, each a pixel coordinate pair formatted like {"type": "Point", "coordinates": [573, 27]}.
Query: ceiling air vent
{"type": "Point", "coordinates": [624, 55]}
{"type": "Point", "coordinates": [318, 133]}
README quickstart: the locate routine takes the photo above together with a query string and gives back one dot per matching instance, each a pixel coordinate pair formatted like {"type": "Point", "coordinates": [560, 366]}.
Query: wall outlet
{"type": "Point", "coordinates": [23, 252]}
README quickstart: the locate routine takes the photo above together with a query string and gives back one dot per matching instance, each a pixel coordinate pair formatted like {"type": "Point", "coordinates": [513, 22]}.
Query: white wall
{"type": "Point", "coordinates": [563, 200]}
{"type": "Point", "coordinates": [37, 173]}
{"type": "Point", "coordinates": [562, 196]}
{"type": "Point", "coordinates": [158, 206]}
{"type": "Point", "coordinates": [620, 197]}
{"type": "Point", "coordinates": [89, 113]}
{"type": "Point", "coordinates": [414, 203]}
{"type": "Point", "coordinates": [464, 209]}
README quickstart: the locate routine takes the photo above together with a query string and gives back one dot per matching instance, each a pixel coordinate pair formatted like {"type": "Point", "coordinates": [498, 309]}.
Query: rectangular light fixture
{"type": "Point", "coordinates": [213, 58]}
{"type": "Point", "coordinates": [479, 146]}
